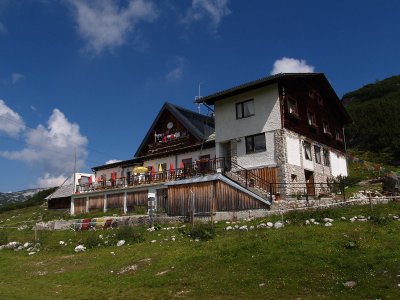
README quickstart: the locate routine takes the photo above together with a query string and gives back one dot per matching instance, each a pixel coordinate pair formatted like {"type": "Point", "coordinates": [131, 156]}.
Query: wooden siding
{"type": "Point", "coordinates": [96, 203]}
{"type": "Point", "coordinates": [136, 199]}
{"type": "Point", "coordinates": [267, 175]}
{"type": "Point", "coordinates": [115, 201]}
{"type": "Point", "coordinates": [329, 111]}
{"type": "Point", "coordinates": [162, 200]}
{"type": "Point", "coordinates": [208, 196]}
{"type": "Point", "coordinates": [80, 205]}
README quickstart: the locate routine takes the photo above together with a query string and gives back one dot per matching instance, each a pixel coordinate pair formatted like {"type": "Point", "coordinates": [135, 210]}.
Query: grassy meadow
{"type": "Point", "coordinates": [295, 262]}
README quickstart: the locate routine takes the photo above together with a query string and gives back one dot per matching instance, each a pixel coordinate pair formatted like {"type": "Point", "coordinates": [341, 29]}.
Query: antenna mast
{"type": "Point", "coordinates": [198, 97]}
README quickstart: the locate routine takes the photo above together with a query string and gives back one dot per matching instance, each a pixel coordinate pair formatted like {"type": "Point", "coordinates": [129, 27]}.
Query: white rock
{"type": "Point", "coordinates": [328, 220]}
{"type": "Point", "coordinates": [227, 222]}
{"type": "Point", "coordinates": [307, 222]}
{"type": "Point", "coordinates": [352, 219]}
{"type": "Point", "coordinates": [31, 253]}
{"type": "Point", "coordinates": [328, 224]}
{"type": "Point", "coordinates": [229, 228]}
{"type": "Point", "coordinates": [173, 239]}
{"type": "Point", "coordinates": [236, 226]}
{"type": "Point", "coordinates": [120, 243]}
{"type": "Point", "coordinates": [154, 241]}
{"type": "Point", "coordinates": [197, 240]}
{"type": "Point", "coordinates": [26, 245]}
{"type": "Point", "coordinates": [251, 227]}
{"type": "Point", "coordinates": [80, 248]}
{"type": "Point", "coordinates": [151, 229]}
{"type": "Point", "coordinates": [396, 217]}
{"type": "Point", "coordinates": [101, 236]}
{"type": "Point", "coordinates": [262, 225]}
{"type": "Point", "coordinates": [278, 225]}
{"type": "Point", "coordinates": [62, 242]}
{"type": "Point", "coordinates": [112, 253]}
{"type": "Point", "coordinates": [244, 228]}
{"type": "Point", "coordinates": [316, 223]}
{"type": "Point", "coordinates": [312, 220]}
{"type": "Point", "coordinates": [270, 224]}
{"type": "Point", "coordinates": [343, 218]}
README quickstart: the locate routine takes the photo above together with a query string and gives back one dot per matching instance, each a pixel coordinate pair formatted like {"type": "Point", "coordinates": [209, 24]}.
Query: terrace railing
{"type": "Point", "coordinates": [197, 168]}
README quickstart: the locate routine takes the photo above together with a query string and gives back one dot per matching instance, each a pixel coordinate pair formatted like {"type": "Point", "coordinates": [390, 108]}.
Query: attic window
{"type": "Point", "coordinates": [327, 129]}
{"type": "Point", "coordinates": [245, 109]}
{"type": "Point", "coordinates": [313, 94]}
{"type": "Point", "coordinates": [339, 135]}
{"type": "Point", "coordinates": [311, 118]}
{"type": "Point", "coordinates": [292, 106]}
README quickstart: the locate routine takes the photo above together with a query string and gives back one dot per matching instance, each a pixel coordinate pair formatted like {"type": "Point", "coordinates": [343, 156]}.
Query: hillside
{"type": "Point", "coordinates": [375, 110]}
{"type": "Point", "coordinates": [14, 197]}
{"type": "Point", "coordinates": [347, 260]}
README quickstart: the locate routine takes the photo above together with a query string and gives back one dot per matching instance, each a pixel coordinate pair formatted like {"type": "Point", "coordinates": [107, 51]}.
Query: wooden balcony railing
{"type": "Point", "coordinates": [197, 168]}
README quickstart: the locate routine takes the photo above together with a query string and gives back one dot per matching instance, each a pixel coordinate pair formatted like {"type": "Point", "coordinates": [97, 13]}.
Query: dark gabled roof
{"type": "Point", "coordinates": [265, 81]}
{"type": "Point", "coordinates": [200, 126]}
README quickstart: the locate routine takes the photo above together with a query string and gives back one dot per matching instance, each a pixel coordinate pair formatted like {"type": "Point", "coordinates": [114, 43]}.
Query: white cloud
{"type": "Point", "coordinates": [177, 71]}
{"type": "Point", "coordinates": [104, 24]}
{"type": "Point", "coordinates": [111, 161]}
{"type": "Point", "coordinates": [214, 10]}
{"type": "Point", "coordinates": [48, 180]}
{"type": "Point", "coordinates": [291, 65]}
{"type": "Point", "coordinates": [11, 122]}
{"type": "Point", "coordinates": [53, 148]}
{"type": "Point", "coordinates": [15, 77]}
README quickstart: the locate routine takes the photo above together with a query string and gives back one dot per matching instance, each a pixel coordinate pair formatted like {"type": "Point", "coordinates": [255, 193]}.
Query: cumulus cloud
{"type": "Point", "coordinates": [213, 10]}
{"type": "Point", "coordinates": [104, 24]}
{"type": "Point", "coordinates": [11, 122]}
{"type": "Point", "coordinates": [15, 77]}
{"type": "Point", "coordinates": [48, 180]}
{"type": "Point", "coordinates": [53, 148]}
{"type": "Point", "coordinates": [291, 65]}
{"type": "Point", "coordinates": [176, 73]}
{"type": "Point", "coordinates": [111, 161]}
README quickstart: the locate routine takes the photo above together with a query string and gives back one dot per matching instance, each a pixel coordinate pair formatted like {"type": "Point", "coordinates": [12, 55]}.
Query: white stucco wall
{"type": "Point", "coordinates": [108, 172]}
{"type": "Point", "coordinates": [293, 150]}
{"type": "Point", "coordinates": [176, 159]}
{"type": "Point", "coordinates": [266, 118]}
{"type": "Point", "coordinates": [338, 164]}
{"type": "Point", "coordinates": [259, 159]}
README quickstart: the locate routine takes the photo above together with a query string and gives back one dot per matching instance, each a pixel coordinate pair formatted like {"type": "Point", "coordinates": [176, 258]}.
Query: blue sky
{"type": "Point", "coordinates": [90, 76]}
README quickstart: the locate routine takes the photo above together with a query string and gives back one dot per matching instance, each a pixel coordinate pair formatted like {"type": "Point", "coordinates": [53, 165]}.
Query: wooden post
{"type": "Point", "coordinates": [87, 204]}
{"type": "Point", "coordinates": [125, 203]}
{"type": "Point", "coordinates": [72, 206]}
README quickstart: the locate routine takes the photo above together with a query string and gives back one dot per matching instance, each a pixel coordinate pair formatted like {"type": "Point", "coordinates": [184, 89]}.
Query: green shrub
{"type": "Point", "coordinates": [129, 234]}
{"type": "Point", "coordinates": [202, 231]}
{"type": "Point", "coordinates": [140, 210]}
{"type": "Point", "coordinates": [3, 238]}
{"type": "Point", "coordinates": [91, 239]}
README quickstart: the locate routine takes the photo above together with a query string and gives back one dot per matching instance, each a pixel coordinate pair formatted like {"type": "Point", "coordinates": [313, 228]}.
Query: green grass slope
{"type": "Point", "coordinates": [293, 262]}
{"type": "Point", "coordinates": [375, 110]}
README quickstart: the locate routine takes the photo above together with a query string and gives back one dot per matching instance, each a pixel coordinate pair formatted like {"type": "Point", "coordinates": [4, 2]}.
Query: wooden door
{"type": "Point", "coordinates": [310, 186]}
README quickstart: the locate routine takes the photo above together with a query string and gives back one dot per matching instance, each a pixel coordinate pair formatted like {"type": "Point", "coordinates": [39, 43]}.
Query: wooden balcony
{"type": "Point", "coordinates": [198, 168]}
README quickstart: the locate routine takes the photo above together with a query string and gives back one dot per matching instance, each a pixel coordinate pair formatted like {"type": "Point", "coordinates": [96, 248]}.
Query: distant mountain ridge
{"type": "Point", "coordinates": [375, 110]}
{"type": "Point", "coordinates": [21, 196]}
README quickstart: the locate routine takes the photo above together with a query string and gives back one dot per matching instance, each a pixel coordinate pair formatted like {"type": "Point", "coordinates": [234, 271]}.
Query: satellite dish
{"type": "Point", "coordinates": [170, 125]}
